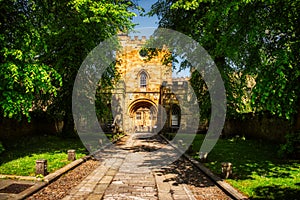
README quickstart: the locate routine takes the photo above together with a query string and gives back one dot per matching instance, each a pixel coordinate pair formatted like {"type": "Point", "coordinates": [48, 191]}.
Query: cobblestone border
{"type": "Point", "coordinates": [227, 188]}
{"type": "Point", "coordinates": [19, 178]}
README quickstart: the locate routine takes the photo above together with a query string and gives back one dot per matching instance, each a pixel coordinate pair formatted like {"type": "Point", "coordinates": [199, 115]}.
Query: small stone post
{"type": "Point", "coordinates": [71, 155]}
{"type": "Point", "coordinates": [203, 156]}
{"type": "Point", "coordinates": [100, 141]}
{"type": "Point", "coordinates": [226, 169]}
{"type": "Point", "coordinates": [41, 167]}
{"type": "Point", "coordinates": [180, 143]}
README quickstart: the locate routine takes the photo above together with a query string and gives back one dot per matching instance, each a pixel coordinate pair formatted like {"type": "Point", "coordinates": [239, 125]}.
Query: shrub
{"type": "Point", "coordinates": [292, 146]}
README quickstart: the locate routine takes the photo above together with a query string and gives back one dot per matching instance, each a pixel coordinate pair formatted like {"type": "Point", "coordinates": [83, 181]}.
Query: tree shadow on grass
{"type": "Point", "coordinates": [266, 169]}
{"type": "Point", "coordinates": [257, 161]}
{"type": "Point", "coordinates": [276, 192]}
{"type": "Point", "coordinates": [251, 157]}
{"type": "Point", "coordinates": [39, 144]}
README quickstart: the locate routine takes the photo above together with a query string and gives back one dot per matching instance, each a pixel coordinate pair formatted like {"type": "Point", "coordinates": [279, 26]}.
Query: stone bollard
{"type": "Point", "coordinates": [226, 169]}
{"type": "Point", "coordinates": [71, 155]}
{"type": "Point", "coordinates": [100, 142]}
{"type": "Point", "coordinates": [41, 167]}
{"type": "Point", "coordinates": [180, 143]}
{"type": "Point", "coordinates": [203, 156]}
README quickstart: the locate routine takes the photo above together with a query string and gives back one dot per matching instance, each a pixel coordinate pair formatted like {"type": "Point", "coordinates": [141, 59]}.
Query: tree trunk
{"type": "Point", "coordinates": [297, 121]}
{"type": "Point", "coordinates": [69, 126]}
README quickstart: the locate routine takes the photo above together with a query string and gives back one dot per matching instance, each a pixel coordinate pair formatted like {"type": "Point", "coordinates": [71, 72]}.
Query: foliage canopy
{"type": "Point", "coordinates": [43, 44]}
{"type": "Point", "coordinates": [257, 40]}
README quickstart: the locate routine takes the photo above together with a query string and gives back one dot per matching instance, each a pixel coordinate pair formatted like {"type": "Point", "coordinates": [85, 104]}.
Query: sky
{"type": "Point", "coordinates": [146, 21]}
{"type": "Point", "coordinates": [146, 26]}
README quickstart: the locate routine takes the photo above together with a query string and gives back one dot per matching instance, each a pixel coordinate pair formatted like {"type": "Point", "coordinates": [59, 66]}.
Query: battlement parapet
{"type": "Point", "coordinates": [179, 79]}
{"type": "Point", "coordinates": [136, 38]}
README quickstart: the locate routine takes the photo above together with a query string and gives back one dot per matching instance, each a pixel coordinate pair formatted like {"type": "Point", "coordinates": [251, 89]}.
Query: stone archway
{"type": "Point", "coordinates": [143, 113]}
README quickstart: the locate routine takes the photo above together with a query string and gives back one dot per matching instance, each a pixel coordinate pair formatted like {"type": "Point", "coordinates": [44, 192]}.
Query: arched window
{"type": "Point", "coordinates": [143, 80]}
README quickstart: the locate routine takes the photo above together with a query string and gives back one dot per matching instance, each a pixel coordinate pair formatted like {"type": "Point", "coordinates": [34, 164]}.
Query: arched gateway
{"type": "Point", "coordinates": [143, 114]}
{"type": "Point", "coordinates": [142, 88]}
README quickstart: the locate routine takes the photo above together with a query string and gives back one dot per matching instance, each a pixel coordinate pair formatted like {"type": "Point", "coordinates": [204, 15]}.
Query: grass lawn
{"type": "Point", "coordinates": [257, 170]}
{"type": "Point", "coordinates": [19, 157]}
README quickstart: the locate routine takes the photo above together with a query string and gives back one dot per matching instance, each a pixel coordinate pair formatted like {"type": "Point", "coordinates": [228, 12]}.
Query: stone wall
{"type": "Point", "coordinates": [179, 93]}
{"type": "Point", "coordinates": [11, 129]}
{"type": "Point", "coordinates": [258, 127]}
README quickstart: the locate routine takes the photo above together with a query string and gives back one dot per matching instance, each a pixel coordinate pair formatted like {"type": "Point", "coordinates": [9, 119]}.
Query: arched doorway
{"type": "Point", "coordinates": [143, 113]}
{"type": "Point", "coordinates": [175, 116]}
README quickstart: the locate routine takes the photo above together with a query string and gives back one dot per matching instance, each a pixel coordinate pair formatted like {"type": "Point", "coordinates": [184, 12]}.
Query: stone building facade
{"type": "Point", "coordinates": [143, 97]}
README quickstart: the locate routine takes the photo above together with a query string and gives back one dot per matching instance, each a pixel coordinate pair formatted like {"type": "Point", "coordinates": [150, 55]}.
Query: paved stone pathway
{"type": "Point", "coordinates": [127, 172]}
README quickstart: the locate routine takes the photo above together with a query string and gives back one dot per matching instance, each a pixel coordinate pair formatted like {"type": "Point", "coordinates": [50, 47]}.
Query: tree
{"type": "Point", "coordinates": [58, 36]}
{"type": "Point", "coordinates": [250, 38]}
{"type": "Point", "coordinates": [27, 83]}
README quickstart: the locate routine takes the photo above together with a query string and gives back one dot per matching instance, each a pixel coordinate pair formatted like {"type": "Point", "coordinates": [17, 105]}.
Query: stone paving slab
{"type": "Point", "coordinates": [125, 173]}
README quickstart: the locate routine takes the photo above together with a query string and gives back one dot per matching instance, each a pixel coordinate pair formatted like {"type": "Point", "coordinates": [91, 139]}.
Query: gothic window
{"type": "Point", "coordinates": [143, 80]}
{"type": "Point", "coordinates": [175, 116]}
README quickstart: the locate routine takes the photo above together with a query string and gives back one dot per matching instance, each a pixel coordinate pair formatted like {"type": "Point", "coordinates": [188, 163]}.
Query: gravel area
{"type": "Point", "coordinates": [63, 185]}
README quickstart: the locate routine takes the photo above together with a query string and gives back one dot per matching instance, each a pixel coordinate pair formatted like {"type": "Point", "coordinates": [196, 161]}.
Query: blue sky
{"type": "Point", "coordinates": [146, 21]}
{"type": "Point", "coordinates": [145, 25]}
